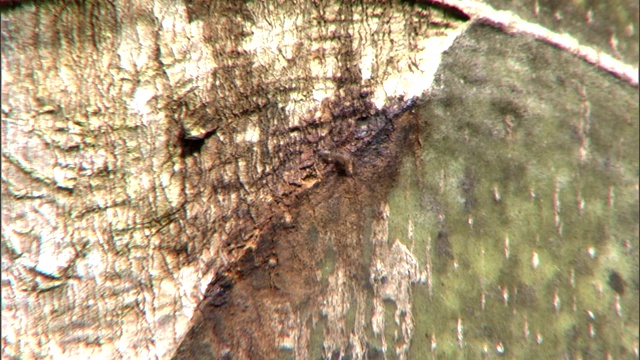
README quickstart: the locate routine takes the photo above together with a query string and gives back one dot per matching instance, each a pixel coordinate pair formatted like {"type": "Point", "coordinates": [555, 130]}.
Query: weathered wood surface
{"type": "Point", "coordinates": [211, 180]}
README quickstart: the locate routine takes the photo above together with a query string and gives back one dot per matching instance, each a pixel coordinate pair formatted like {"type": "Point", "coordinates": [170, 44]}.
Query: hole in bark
{"type": "Point", "coordinates": [193, 145]}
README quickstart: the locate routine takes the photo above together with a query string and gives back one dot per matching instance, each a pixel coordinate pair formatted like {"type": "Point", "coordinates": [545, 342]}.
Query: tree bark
{"type": "Point", "coordinates": [211, 179]}
{"type": "Point", "coordinates": [147, 146]}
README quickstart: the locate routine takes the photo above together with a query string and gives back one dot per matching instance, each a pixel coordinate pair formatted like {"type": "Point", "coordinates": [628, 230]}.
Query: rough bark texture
{"type": "Point", "coordinates": [149, 146]}
{"type": "Point", "coordinates": [214, 179]}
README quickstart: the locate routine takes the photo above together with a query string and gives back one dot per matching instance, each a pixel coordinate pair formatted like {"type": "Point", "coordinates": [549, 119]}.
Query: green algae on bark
{"type": "Point", "coordinates": [529, 169]}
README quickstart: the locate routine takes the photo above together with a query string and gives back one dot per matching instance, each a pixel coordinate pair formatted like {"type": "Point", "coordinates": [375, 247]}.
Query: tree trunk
{"type": "Point", "coordinates": [221, 179]}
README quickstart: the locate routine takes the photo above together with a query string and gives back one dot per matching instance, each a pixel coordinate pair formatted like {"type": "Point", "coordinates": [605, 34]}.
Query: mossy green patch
{"type": "Point", "coordinates": [526, 198]}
